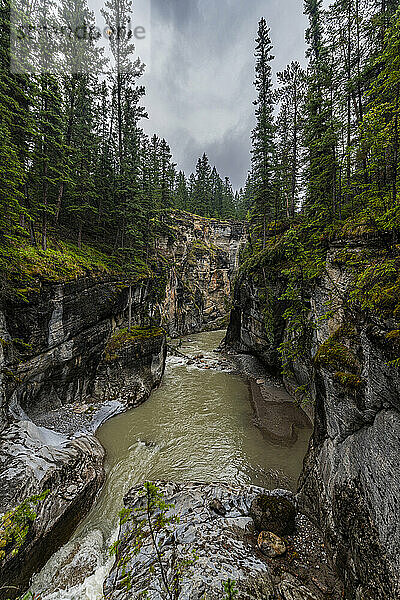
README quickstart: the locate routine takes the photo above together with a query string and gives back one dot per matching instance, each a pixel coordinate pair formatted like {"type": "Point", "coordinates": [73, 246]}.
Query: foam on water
{"type": "Point", "coordinates": [198, 426]}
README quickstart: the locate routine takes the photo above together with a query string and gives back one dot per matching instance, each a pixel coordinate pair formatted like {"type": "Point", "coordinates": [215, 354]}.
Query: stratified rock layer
{"type": "Point", "coordinates": [57, 386]}
{"type": "Point", "coordinates": [203, 255]}
{"type": "Point", "coordinates": [351, 481]}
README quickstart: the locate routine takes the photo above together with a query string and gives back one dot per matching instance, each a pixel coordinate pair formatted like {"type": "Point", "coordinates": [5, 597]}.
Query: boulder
{"type": "Point", "coordinates": [273, 513]}
{"type": "Point", "coordinates": [271, 545]}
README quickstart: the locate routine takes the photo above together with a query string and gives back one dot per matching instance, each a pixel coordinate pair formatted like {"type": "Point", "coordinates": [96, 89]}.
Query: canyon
{"type": "Point", "coordinates": [68, 364]}
{"type": "Point", "coordinates": [348, 383]}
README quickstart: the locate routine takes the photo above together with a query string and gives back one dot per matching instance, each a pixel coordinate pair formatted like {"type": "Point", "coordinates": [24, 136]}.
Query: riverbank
{"type": "Point", "coordinates": [198, 426]}
{"type": "Point", "coordinates": [54, 452]}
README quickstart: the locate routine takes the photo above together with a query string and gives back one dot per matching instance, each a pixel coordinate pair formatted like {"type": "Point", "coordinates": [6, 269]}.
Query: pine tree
{"type": "Point", "coordinates": [381, 126]}
{"type": "Point", "coordinates": [319, 129]}
{"type": "Point", "coordinates": [291, 97]}
{"type": "Point", "coordinates": [181, 192]}
{"type": "Point", "coordinates": [263, 136]}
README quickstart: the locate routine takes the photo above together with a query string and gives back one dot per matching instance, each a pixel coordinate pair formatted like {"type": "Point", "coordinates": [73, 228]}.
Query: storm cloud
{"type": "Point", "coordinates": [199, 90]}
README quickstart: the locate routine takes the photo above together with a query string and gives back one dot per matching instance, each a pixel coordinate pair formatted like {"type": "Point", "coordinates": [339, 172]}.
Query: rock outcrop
{"type": "Point", "coordinates": [202, 256]}
{"type": "Point", "coordinates": [67, 364]}
{"type": "Point", "coordinates": [350, 484]}
{"type": "Point", "coordinates": [216, 535]}
{"type": "Point", "coordinates": [34, 460]}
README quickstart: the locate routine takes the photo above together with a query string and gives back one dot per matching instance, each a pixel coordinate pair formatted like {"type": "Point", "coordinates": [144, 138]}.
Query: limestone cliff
{"type": "Point", "coordinates": [67, 363]}
{"type": "Point", "coordinates": [64, 370]}
{"type": "Point", "coordinates": [202, 257]}
{"type": "Point", "coordinates": [350, 483]}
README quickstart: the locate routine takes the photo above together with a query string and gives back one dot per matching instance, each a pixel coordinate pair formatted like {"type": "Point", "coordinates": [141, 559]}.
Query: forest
{"type": "Point", "coordinates": [301, 264]}
{"type": "Point", "coordinates": [76, 164]}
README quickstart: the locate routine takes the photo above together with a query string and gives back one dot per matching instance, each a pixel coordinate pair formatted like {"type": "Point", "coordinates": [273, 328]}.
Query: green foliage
{"type": "Point", "coordinates": [348, 380]}
{"type": "Point", "coordinates": [151, 521]}
{"type": "Point", "coordinates": [16, 523]}
{"type": "Point", "coordinates": [230, 590]}
{"type": "Point", "coordinates": [29, 596]}
{"type": "Point", "coordinates": [377, 288]}
{"type": "Point", "coordinates": [332, 354]}
{"type": "Point", "coordinates": [125, 337]}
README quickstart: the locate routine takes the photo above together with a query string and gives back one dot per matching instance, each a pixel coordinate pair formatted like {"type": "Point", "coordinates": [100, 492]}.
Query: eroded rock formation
{"type": "Point", "coordinates": [350, 484]}
{"type": "Point", "coordinates": [203, 256]}
{"type": "Point", "coordinates": [58, 383]}
{"type": "Point", "coordinates": [67, 364]}
{"type": "Point", "coordinates": [215, 523]}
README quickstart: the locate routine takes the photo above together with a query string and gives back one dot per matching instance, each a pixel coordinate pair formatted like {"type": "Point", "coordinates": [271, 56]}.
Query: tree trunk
{"type": "Point", "coordinates": [396, 148]}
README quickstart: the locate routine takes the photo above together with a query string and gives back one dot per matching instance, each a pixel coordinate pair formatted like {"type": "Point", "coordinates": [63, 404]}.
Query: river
{"type": "Point", "coordinates": [199, 425]}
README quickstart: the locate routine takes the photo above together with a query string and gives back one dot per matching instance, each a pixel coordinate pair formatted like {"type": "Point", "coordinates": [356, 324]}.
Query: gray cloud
{"type": "Point", "coordinates": [200, 86]}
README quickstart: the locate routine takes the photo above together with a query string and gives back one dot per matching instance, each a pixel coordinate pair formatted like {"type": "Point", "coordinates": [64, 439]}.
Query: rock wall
{"type": "Point", "coordinates": [66, 365]}
{"type": "Point", "coordinates": [350, 484]}
{"type": "Point", "coordinates": [202, 257]}
{"type": "Point", "coordinates": [62, 374]}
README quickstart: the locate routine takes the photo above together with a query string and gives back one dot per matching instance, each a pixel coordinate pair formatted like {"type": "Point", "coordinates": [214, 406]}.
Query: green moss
{"type": "Point", "coordinates": [348, 380]}
{"type": "Point", "coordinates": [24, 267]}
{"type": "Point", "coordinates": [377, 288]}
{"type": "Point", "coordinates": [10, 376]}
{"type": "Point", "coordinates": [21, 346]}
{"type": "Point", "coordinates": [335, 355]}
{"type": "Point", "coordinates": [123, 337]}
{"type": "Point", "coordinates": [15, 525]}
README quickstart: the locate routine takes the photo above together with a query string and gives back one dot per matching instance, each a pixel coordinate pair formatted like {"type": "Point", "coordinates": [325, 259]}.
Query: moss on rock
{"type": "Point", "coordinates": [348, 380]}
{"type": "Point", "coordinates": [125, 337]}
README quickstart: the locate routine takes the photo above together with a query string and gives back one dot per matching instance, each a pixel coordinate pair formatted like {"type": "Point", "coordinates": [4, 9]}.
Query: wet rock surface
{"type": "Point", "coordinates": [350, 484]}
{"type": "Point", "coordinates": [274, 514]}
{"type": "Point", "coordinates": [204, 257]}
{"type": "Point", "coordinates": [56, 388]}
{"type": "Point", "coordinates": [33, 460]}
{"type": "Point", "coordinates": [225, 546]}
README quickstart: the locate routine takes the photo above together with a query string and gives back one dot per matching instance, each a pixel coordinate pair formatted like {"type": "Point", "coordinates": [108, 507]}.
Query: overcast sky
{"type": "Point", "coordinates": [199, 90]}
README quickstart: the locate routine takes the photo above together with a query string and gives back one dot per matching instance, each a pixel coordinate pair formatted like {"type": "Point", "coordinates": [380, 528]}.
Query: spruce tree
{"type": "Point", "coordinates": [181, 192]}
{"type": "Point", "coordinates": [291, 97]}
{"type": "Point", "coordinates": [319, 130]}
{"type": "Point", "coordinates": [263, 136]}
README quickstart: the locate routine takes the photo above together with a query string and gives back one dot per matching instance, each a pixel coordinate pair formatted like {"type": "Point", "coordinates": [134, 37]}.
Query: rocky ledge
{"type": "Point", "coordinates": [35, 460]}
{"type": "Point", "coordinates": [218, 535]}
{"type": "Point", "coordinates": [67, 363]}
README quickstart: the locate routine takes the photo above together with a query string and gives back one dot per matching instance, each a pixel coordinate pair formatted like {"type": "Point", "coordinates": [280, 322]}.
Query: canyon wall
{"type": "Point", "coordinates": [67, 363]}
{"type": "Point", "coordinates": [202, 257]}
{"type": "Point", "coordinates": [64, 370]}
{"type": "Point", "coordinates": [350, 483]}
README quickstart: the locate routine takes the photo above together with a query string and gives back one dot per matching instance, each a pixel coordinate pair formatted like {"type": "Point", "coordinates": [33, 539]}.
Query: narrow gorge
{"type": "Point", "coordinates": [68, 363]}
{"type": "Point", "coordinates": [199, 300]}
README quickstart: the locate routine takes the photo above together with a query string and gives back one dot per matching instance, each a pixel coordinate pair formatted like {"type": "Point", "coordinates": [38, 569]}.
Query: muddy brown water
{"type": "Point", "coordinates": [200, 426]}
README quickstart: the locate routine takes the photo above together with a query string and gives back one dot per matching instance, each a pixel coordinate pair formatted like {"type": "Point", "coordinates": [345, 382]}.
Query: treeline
{"type": "Point", "coordinates": [206, 194]}
{"type": "Point", "coordinates": [326, 141]}
{"type": "Point", "coordinates": [74, 159]}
